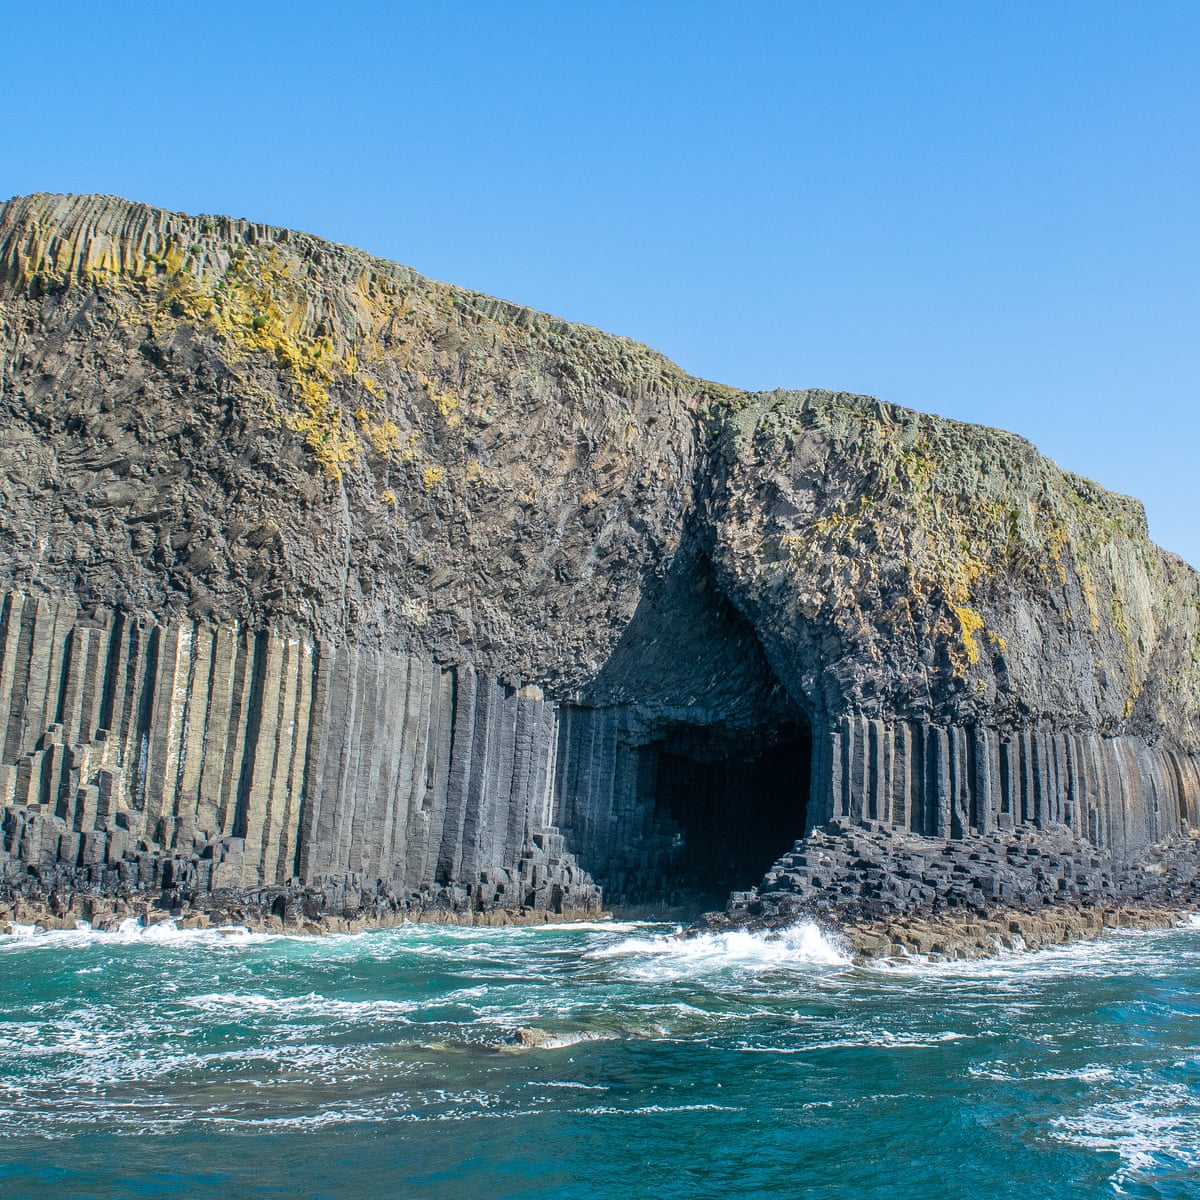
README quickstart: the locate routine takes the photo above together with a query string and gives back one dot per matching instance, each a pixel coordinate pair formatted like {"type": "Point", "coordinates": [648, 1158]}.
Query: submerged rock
{"type": "Point", "coordinates": [542, 1039]}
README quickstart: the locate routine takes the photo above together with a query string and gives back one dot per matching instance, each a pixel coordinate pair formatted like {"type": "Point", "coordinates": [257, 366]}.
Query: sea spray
{"type": "Point", "coordinates": [799, 947]}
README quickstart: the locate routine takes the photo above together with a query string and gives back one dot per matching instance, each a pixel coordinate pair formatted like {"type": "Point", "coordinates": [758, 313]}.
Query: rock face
{"type": "Point", "coordinates": [322, 575]}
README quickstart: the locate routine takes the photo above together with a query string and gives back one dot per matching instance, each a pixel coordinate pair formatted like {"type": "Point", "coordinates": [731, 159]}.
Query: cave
{"type": "Point", "coordinates": [729, 803]}
{"type": "Point", "coordinates": [667, 813]}
{"type": "Point", "coordinates": [684, 772]}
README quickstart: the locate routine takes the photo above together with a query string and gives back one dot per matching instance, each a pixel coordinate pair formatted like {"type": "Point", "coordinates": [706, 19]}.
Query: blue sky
{"type": "Point", "coordinates": [985, 210]}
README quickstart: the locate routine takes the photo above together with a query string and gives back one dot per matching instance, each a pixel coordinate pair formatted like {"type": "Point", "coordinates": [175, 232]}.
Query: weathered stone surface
{"type": "Point", "coordinates": [377, 594]}
{"type": "Point", "coordinates": [890, 894]}
{"type": "Point", "coordinates": [899, 565]}
{"type": "Point", "coordinates": [953, 935]}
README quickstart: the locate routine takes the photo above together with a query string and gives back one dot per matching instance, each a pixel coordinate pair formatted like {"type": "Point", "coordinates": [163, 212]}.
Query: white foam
{"type": "Point", "coordinates": [879, 1039]}
{"type": "Point", "coordinates": [131, 931]}
{"type": "Point", "coordinates": [229, 1004]}
{"type": "Point", "coordinates": [1088, 957]}
{"type": "Point", "coordinates": [644, 1109]}
{"type": "Point", "coordinates": [797, 948]}
{"type": "Point", "coordinates": [1156, 1128]}
{"type": "Point", "coordinates": [577, 927]}
{"type": "Point", "coordinates": [1000, 1072]}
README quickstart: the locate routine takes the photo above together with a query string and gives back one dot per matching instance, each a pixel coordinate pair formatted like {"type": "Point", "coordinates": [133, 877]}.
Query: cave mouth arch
{"type": "Point", "coordinates": [727, 804]}
{"type": "Point", "coordinates": [683, 772]}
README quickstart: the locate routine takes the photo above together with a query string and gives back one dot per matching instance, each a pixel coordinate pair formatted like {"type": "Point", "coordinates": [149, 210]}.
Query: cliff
{"type": "Point", "coordinates": [324, 575]}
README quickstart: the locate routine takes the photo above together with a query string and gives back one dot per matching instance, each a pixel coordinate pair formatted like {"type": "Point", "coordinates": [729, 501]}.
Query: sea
{"type": "Point", "coordinates": [600, 1061]}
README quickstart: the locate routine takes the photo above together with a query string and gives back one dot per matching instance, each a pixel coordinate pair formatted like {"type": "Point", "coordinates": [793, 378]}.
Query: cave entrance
{"type": "Point", "coordinates": [729, 803]}
{"type": "Point", "coordinates": [684, 771]}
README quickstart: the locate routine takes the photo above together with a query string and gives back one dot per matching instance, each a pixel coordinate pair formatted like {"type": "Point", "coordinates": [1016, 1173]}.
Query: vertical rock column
{"type": "Point", "coordinates": [953, 781]}
{"type": "Point", "coordinates": [422, 776]}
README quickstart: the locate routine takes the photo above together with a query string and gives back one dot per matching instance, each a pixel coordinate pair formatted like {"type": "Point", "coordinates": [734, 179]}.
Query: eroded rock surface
{"type": "Point", "coordinates": [891, 894]}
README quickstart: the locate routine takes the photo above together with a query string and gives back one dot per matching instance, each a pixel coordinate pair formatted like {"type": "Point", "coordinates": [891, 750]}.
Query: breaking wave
{"type": "Point", "coordinates": [799, 947]}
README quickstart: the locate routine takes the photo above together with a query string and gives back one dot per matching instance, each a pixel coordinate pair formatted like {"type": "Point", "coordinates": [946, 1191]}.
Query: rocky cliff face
{"type": "Point", "coordinates": [320, 571]}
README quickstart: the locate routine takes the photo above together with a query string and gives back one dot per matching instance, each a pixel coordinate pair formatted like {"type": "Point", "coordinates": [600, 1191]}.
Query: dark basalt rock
{"type": "Point", "coordinates": [850, 875]}
{"type": "Point", "coordinates": [332, 586]}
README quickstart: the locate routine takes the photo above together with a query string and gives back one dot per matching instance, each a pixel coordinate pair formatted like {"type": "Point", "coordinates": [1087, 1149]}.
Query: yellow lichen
{"type": "Point", "coordinates": [255, 307]}
{"type": "Point", "coordinates": [969, 624]}
{"type": "Point", "coordinates": [446, 403]}
{"type": "Point", "coordinates": [321, 429]}
{"type": "Point", "coordinates": [432, 476]}
{"type": "Point", "coordinates": [265, 295]}
{"type": "Point", "coordinates": [385, 437]}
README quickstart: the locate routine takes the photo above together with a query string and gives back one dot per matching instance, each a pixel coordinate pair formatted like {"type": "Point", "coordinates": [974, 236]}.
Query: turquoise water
{"type": "Point", "coordinates": [161, 1063]}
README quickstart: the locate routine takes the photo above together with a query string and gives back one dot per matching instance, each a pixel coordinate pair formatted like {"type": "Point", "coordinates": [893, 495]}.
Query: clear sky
{"type": "Point", "coordinates": [984, 210]}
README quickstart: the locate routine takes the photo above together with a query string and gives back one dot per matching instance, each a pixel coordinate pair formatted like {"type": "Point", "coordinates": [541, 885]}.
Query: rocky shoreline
{"type": "Point", "coordinates": [969, 935]}
{"type": "Point", "coordinates": [55, 877]}
{"type": "Point", "coordinates": [889, 895]}
{"type": "Point", "coordinates": [879, 895]}
{"type": "Point", "coordinates": [240, 911]}
{"type": "Point", "coordinates": [934, 937]}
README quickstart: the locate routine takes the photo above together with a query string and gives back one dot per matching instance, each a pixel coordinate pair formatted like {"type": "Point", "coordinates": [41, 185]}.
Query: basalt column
{"type": "Point", "coordinates": [242, 759]}
{"type": "Point", "coordinates": [950, 781]}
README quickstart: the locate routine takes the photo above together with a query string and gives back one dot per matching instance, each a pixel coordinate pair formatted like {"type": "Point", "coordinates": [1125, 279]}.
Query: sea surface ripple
{"type": "Point", "coordinates": [592, 1061]}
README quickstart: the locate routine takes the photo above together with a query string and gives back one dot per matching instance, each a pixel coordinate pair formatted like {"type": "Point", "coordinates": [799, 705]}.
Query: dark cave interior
{"type": "Point", "coordinates": [730, 803]}
{"type": "Point", "coordinates": [685, 773]}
